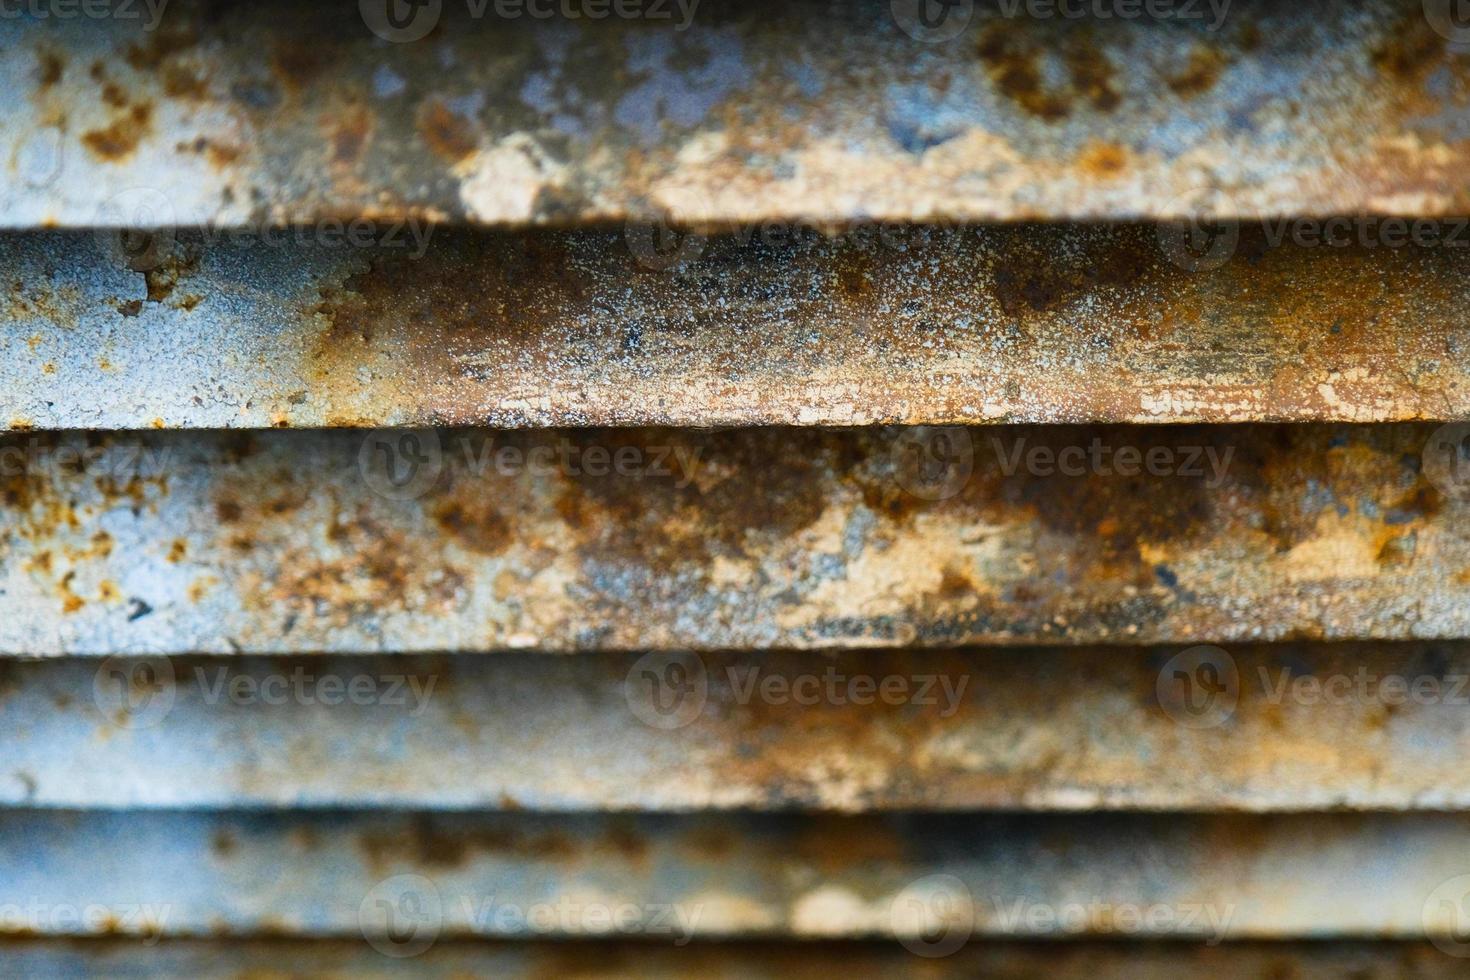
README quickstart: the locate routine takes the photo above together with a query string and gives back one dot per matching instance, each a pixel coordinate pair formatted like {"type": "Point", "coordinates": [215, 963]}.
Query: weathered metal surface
{"type": "Point", "coordinates": [1297, 728]}
{"type": "Point", "coordinates": [245, 113]}
{"type": "Point", "coordinates": [1209, 877]}
{"type": "Point", "coordinates": [280, 959]}
{"type": "Point", "coordinates": [278, 542]}
{"type": "Point", "coordinates": [910, 325]}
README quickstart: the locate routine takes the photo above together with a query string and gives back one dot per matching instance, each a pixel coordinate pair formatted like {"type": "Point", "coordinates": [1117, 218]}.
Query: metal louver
{"type": "Point", "coordinates": [724, 487]}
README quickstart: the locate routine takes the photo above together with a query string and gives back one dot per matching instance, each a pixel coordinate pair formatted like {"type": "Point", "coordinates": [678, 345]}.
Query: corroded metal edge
{"type": "Point", "coordinates": [923, 878]}
{"type": "Point", "coordinates": [273, 113]}
{"type": "Point", "coordinates": [1273, 728]}
{"type": "Point", "coordinates": [123, 959]}
{"type": "Point", "coordinates": [911, 324]}
{"type": "Point", "coordinates": [337, 541]}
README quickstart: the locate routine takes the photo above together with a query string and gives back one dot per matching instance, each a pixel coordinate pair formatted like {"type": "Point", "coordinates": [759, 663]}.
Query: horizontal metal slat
{"type": "Point", "coordinates": [904, 325]}
{"type": "Point", "coordinates": [338, 541]}
{"type": "Point", "coordinates": [924, 878]}
{"type": "Point", "coordinates": [297, 112]}
{"type": "Point", "coordinates": [283, 959]}
{"type": "Point", "coordinates": [1255, 728]}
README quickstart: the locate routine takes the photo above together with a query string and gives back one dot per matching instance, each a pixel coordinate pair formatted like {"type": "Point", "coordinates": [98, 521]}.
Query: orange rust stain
{"type": "Point", "coordinates": [350, 133]}
{"type": "Point", "coordinates": [446, 133]}
{"type": "Point", "coordinates": [220, 156]}
{"type": "Point", "coordinates": [299, 63]}
{"type": "Point", "coordinates": [1103, 160]}
{"type": "Point", "coordinates": [161, 45]}
{"type": "Point", "coordinates": [180, 82]}
{"type": "Point", "coordinates": [49, 68]}
{"type": "Point", "coordinates": [119, 140]}
{"type": "Point", "coordinates": [426, 841]}
{"type": "Point", "coordinates": [479, 528]}
{"type": "Point", "coordinates": [70, 601]}
{"type": "Point", "coordinates": [177, 550]}
{"type": "Point", "coordinates": [1201, 73]}
{"type": "Point", "coordinates": [1013, 64]}
{"type": "Point", "coordinates": [1412, 49]}
{"type": "Point", "coordinates": [200, 587]}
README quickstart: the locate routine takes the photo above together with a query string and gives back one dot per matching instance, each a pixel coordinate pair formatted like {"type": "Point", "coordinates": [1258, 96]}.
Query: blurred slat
{"type": "Point", "coordinates": [283, 542]}
{"type": "Point", "coordinates": [124, 959]}
{"type": "Point", "coordinates": [914, 325]}
{"type": "Point", "coordinates": [1047, 730]}
{"type": "Point", "coordinates": [285, 112]}
{"type": "Point", "coordinates": [951, 877]}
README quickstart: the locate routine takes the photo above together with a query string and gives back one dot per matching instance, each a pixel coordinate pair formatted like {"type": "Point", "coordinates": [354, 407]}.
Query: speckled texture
{"type": "Point", "coordinates": [894, 325]}
{"type": "Point", "coordinates": [235, 113]}
{"type": "Point", "coordinates": [1045, 730]}
{"type": "Point", "coordinates": [285, 542]}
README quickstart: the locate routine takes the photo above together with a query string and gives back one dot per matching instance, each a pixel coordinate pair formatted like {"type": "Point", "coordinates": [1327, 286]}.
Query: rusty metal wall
{"type": "Point", "coordinates": [1000, 483]}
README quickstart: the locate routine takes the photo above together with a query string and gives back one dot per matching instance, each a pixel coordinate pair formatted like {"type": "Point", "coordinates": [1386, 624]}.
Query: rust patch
{"type": "Point", "coordinates": [49, 68]}
{"type": "Point", "coordinates": [448, 135]}
{"type": "Point", "coordinates": [1201, 73]}
{"type": "Point", "coordinates": [118, 140]}
{"type": "Point", "coordinates": [351, 131]}
{"type": "Point", "coordinates": [1013, 62]}
{"type": "Point", "coordinates": [1104, 161]}
{"type": "Point", "coordinates": [180, 82]}
{"type": "Point", "coordinates": [299, 63]}
{"type": "Point", "coordinates": [161, 45]}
